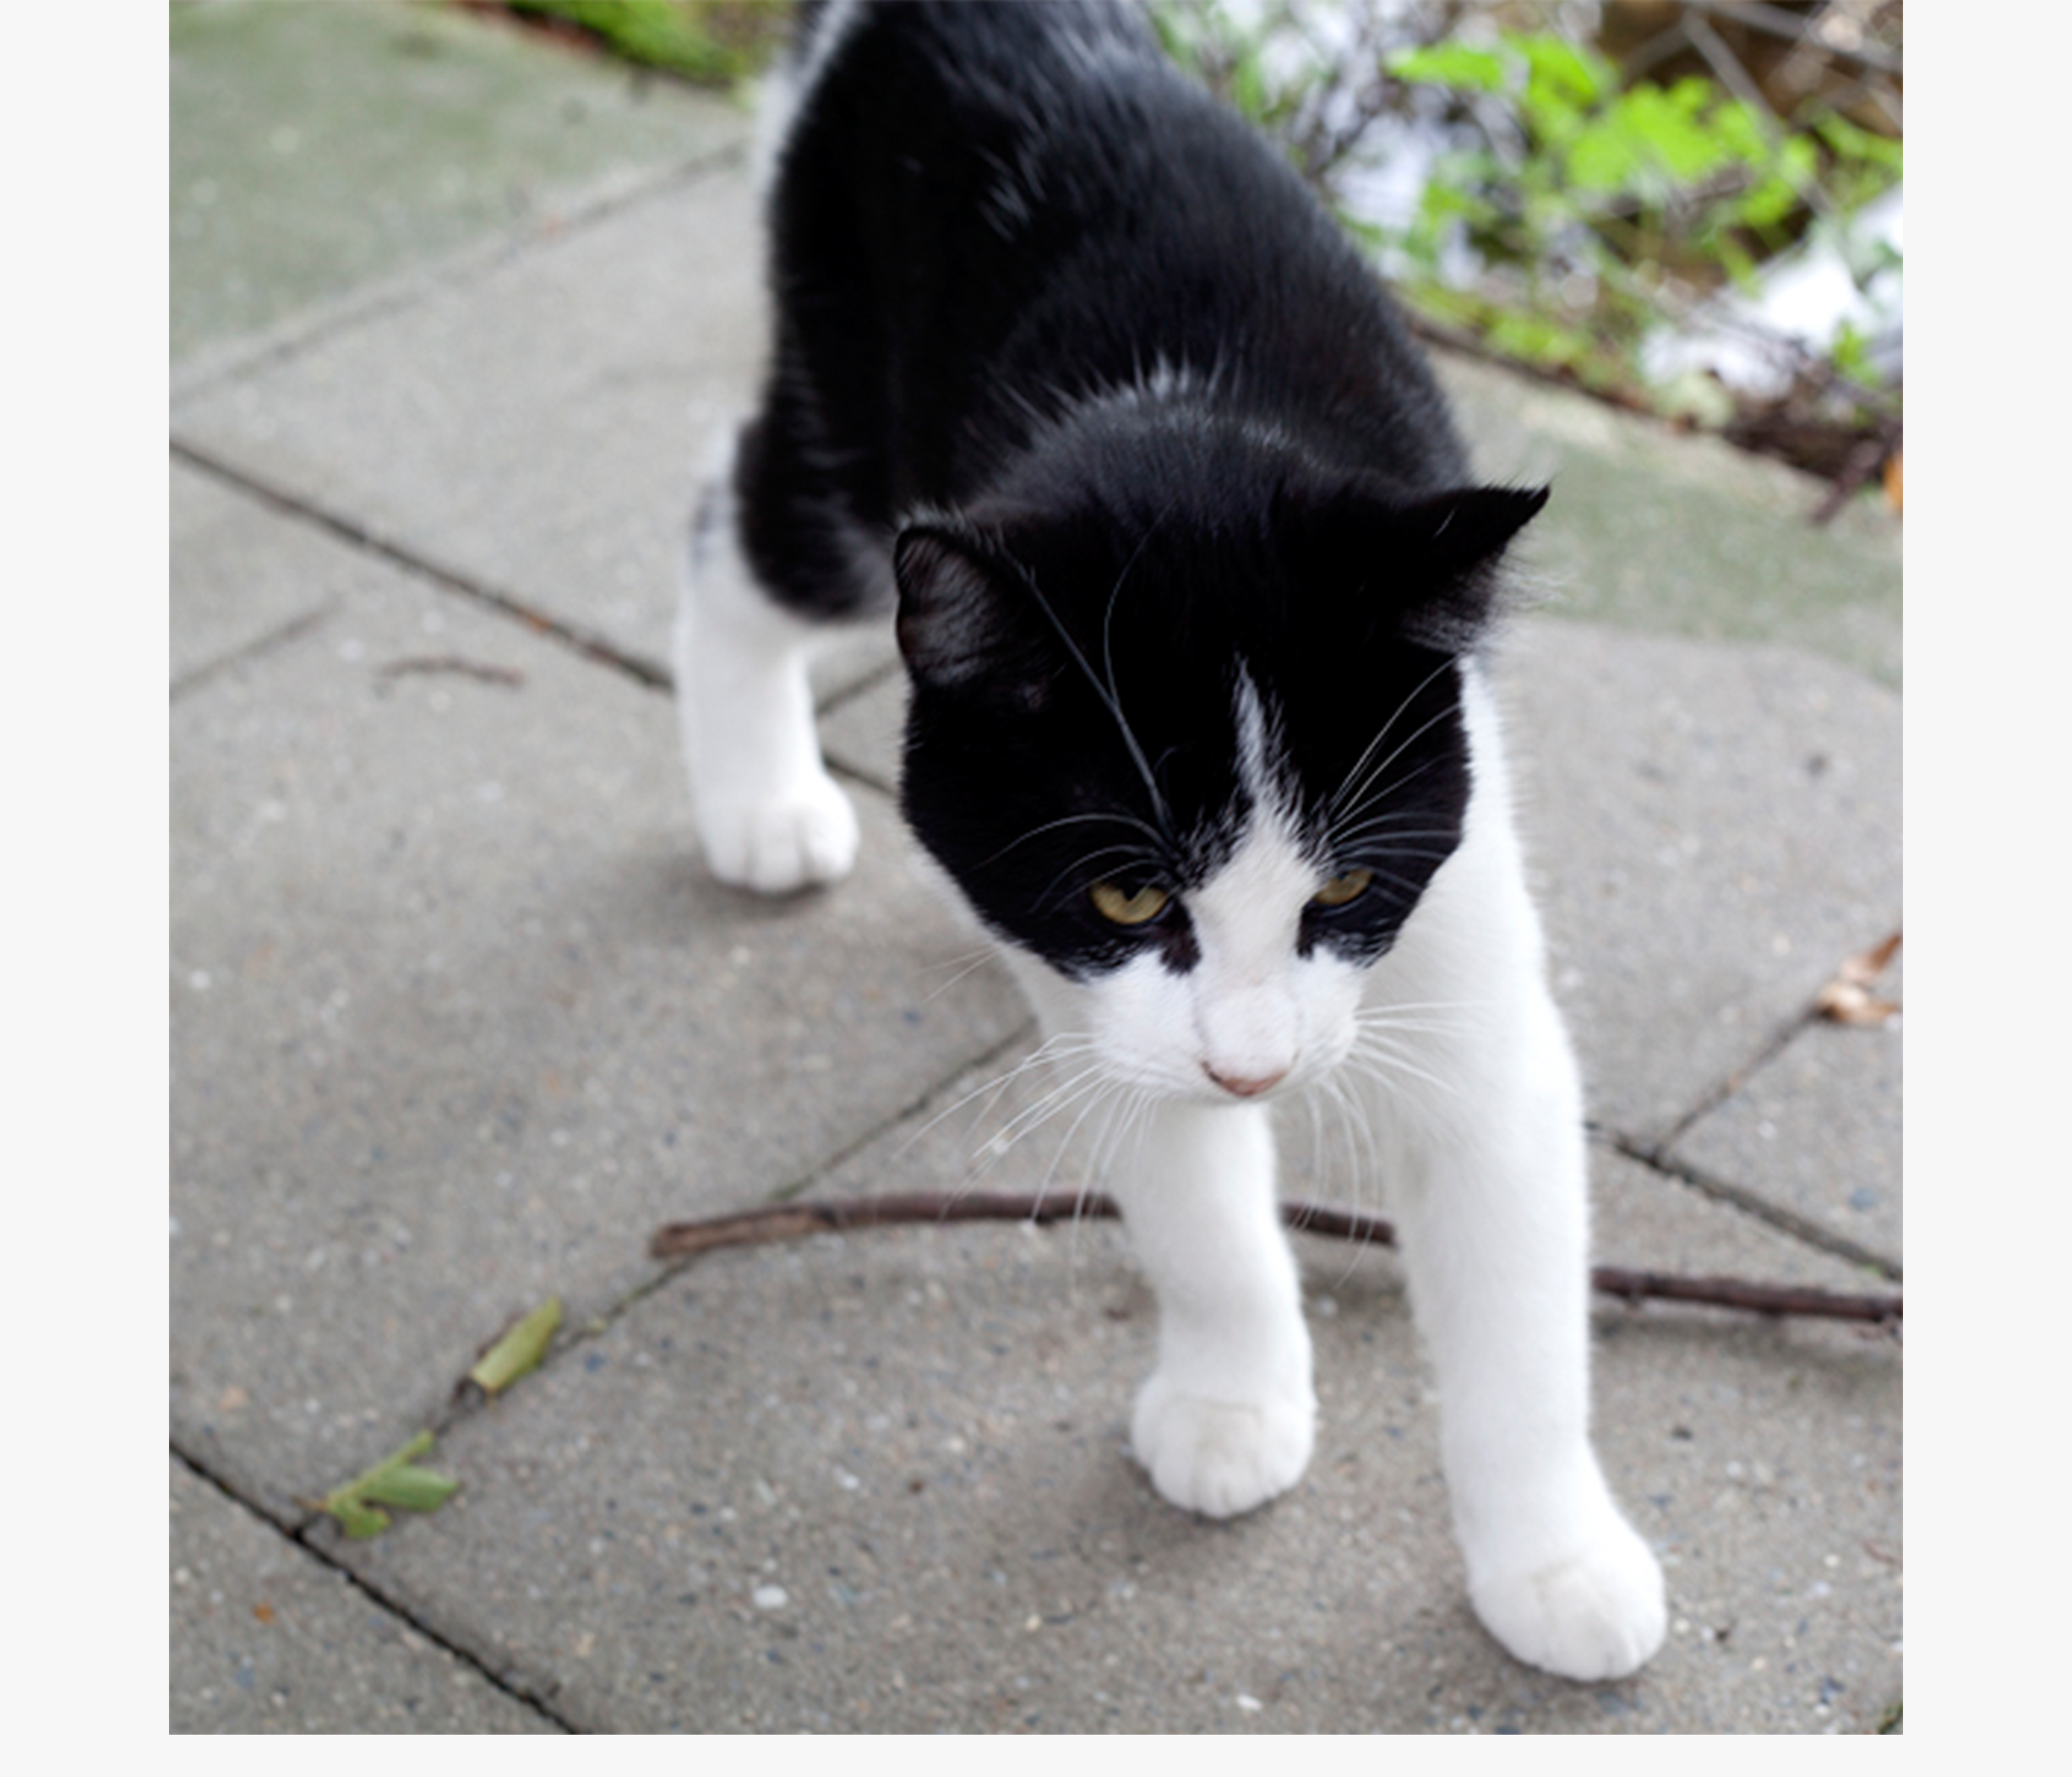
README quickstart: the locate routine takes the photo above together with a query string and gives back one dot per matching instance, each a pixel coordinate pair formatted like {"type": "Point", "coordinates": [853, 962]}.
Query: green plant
{"type": "Point", "coordinates": [1570, 214]}
{"type": "Point", "coordinates": [714, 44]}
{"type": "Point", "coordinates": [1596, 209]}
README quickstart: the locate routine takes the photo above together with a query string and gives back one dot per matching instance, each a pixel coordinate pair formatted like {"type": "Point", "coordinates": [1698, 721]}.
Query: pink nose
{"type": "Point", "coordinates": [1244, 1088]}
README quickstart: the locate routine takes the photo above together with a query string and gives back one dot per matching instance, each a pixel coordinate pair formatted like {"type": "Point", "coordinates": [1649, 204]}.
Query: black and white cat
{"type": "Point", "coordinates": [1190, 579]}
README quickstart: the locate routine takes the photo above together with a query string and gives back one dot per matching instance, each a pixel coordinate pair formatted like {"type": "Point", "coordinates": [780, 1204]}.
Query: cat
{"type": "Point", "coordinates": [1194, 590]}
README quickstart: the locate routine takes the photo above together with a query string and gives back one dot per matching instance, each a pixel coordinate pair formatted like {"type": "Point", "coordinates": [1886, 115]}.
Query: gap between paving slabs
{"type": "Point", "coordinates": [590, 646]}
{"type": "Point", "coordinates": [298, 1536]}
{"type": "Point", "coordinates": [1847, 999]}
{"type": "Point", "coordinates": [861, 678]}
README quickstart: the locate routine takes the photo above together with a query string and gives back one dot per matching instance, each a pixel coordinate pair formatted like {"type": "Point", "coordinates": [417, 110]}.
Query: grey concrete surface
{"type": "Point", "coordinates": [236, 586]}
{"type": "Point", "coordinates": [921, 1515]}
{"type": "Point", "coordinates": [568, 487]}
{"type": "Point", "coordinates": [1820, 1125]}
{"type": "Point", "coordinates": [1714, 829]}
{"type": "Point", "coordinates": [1652, 529]}
{"type": "Point", "coordinates": [268, 1639]}
{"type": "Point", "coordinates": [457, 1015]}
{"type": "Point", "coordinates": [283, 197]}
{"type": "Point", "coordinates": [457, 1019]}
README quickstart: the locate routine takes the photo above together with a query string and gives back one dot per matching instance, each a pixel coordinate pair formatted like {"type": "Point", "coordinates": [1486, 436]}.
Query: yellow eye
{"type": "Point", "coordinates": [1342, 889]}
{"type": "Point", "coordinates": [1120, 909]}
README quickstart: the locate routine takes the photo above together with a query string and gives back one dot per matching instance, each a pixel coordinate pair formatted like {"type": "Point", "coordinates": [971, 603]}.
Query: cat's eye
{"type": "Point", "coordinates": [1120, 908]}
{"type": "Point", "coordinates": [1342, 889]}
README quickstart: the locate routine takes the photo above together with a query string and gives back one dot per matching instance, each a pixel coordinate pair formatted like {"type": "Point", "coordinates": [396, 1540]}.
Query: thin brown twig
{"type": "Point", "coordinates": [458, 663]}
{"type": "Point", "coordinates": [793, 1221]}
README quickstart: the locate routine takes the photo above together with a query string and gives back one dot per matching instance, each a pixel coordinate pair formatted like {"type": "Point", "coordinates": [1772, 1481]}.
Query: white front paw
{"type": "Point", "coordinates": [1592, 1613]}
{"type": "Point", "coordinates": [806, 836]}
{"type": "Point", "coordinates": [1222, 1457]}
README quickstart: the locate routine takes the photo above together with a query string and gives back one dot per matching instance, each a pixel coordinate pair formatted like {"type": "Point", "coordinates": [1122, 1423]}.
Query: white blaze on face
{"type": "Point", "coordinates": [1252, 1013]}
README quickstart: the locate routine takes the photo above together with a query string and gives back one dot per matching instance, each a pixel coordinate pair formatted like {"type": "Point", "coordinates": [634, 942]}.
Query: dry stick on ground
{"type": "Point", "coordinates": [791, 1221]}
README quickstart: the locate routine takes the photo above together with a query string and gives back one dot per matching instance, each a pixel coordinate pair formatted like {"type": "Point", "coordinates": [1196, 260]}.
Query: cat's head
{"type": "Point", "coordinates": [1186, 727]}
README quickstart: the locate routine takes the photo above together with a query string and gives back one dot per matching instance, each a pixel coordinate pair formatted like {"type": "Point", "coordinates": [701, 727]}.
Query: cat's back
{"type": "Point", "coordinates": [984, 212]}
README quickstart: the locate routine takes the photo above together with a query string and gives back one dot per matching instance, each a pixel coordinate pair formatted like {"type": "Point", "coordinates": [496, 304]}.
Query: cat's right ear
{"type": "Point", "coordinates": [965, 616]}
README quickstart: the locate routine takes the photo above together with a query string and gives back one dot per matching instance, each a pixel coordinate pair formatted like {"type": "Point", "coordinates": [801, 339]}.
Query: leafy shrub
{"type": "Point", "coordinates": [1569, 214]}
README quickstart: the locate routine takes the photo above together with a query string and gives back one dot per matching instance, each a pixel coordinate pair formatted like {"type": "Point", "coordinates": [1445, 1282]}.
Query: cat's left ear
{"type": "Point", "coordinates": [1447, 547]}
{"type": "Point", "coordinates": [1425, 567]}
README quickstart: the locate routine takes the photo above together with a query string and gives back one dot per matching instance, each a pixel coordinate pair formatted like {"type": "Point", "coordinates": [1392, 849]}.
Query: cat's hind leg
{"type": "Point", "coordinates": [769, 816]}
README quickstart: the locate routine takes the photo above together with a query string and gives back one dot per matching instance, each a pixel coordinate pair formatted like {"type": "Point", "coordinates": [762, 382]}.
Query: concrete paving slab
{"type": "Point", "coordinates": [316, 148]}
{"type": "Point", "coordinates": [1817, 1130]}
{"type": "Point", "coordinates": [456, 1014]}
{"type": "Point", "coordinates": [1671, 534]}
{"type": "Point", "coordinates": [222, 604]}
{"type": "Point", "coordinates": [1714, 829]}
{"type": "Point", "coordinates": [537, 426]}
{"type": "Point", "coordinates": [863, 732]}
{"type": "Point", "coordinates": [266, 1638]}
{"type": "Point", "coordinates": [879, 1483]}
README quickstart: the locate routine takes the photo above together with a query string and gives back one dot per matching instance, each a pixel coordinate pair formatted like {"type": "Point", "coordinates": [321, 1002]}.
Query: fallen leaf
{"type": "Point", "coordinates": [519, 1350]}
{"type": "Point", "coordinates": [1848, 999]}
{"type": "Point", "coordinates": [394, 1481]}
{"type": "Point", "coordinates": [410, 1488]}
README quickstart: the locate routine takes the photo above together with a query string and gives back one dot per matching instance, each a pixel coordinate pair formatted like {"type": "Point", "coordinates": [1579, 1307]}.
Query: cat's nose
{"type": "Point", "coordinates": [1242, 1086]}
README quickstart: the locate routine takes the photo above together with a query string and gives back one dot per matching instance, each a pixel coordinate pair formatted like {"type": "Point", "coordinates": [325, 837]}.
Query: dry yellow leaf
{"type": "Point", "coordinates": [1848, 999]}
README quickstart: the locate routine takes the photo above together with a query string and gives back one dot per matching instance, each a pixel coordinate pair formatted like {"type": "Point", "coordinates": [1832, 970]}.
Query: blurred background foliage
{"type": "Point", "coordinates": [1689, 207]}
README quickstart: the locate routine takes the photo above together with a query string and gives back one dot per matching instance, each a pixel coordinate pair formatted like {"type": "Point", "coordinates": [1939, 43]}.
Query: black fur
{"type": "Point", "coordinates": [1131, 420]}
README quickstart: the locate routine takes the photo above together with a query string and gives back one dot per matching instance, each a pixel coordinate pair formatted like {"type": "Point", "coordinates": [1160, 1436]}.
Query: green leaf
{"type": "Point", "coordinates": [1849, 350]}
{"type": "Point", "coordinates": [1854, 144]}
{"type": "Point", "coordinates": [394, 1481]}
{"type": "Point", "coordinates": [410, 1488]}
{"type": "Point", "coordinates": [1449, 64]}
{"type": "Point", "coordinates": [1606, 157]}
{"type": "Point", "coordinates": [519, 1350]}
{"type": "Point", "coordinates": [1557, 68]}
{"type": "Point", "coordinates": [359, 1522]}
{"type": "Point", "coordinates": [1248, 88]}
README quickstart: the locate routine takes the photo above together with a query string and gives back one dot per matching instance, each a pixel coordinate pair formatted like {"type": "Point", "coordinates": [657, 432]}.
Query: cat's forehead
{"type": "Point", "coordinates": [1251, 693]}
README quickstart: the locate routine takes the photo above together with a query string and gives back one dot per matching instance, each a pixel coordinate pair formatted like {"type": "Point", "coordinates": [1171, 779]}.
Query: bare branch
{"type": "Point", "coordinates": [793, 1221]}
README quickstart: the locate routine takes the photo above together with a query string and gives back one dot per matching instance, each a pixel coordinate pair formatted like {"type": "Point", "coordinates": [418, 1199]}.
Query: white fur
{"type": "Point", "coordinates": [1486, 1176]}
{"type": "Point", "coordinates": [769, 817]}
{"type": "Point", "coordinates": [1462, 1084]}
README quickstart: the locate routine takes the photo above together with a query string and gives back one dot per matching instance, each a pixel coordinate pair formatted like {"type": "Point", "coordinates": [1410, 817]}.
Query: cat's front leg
{"type": "Point", "coordinates": [1228, 1419]}
{"type": "Point", "coordinates": [1495, 1239]}
{"type": "Point", "coordinates": [769, 816]}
